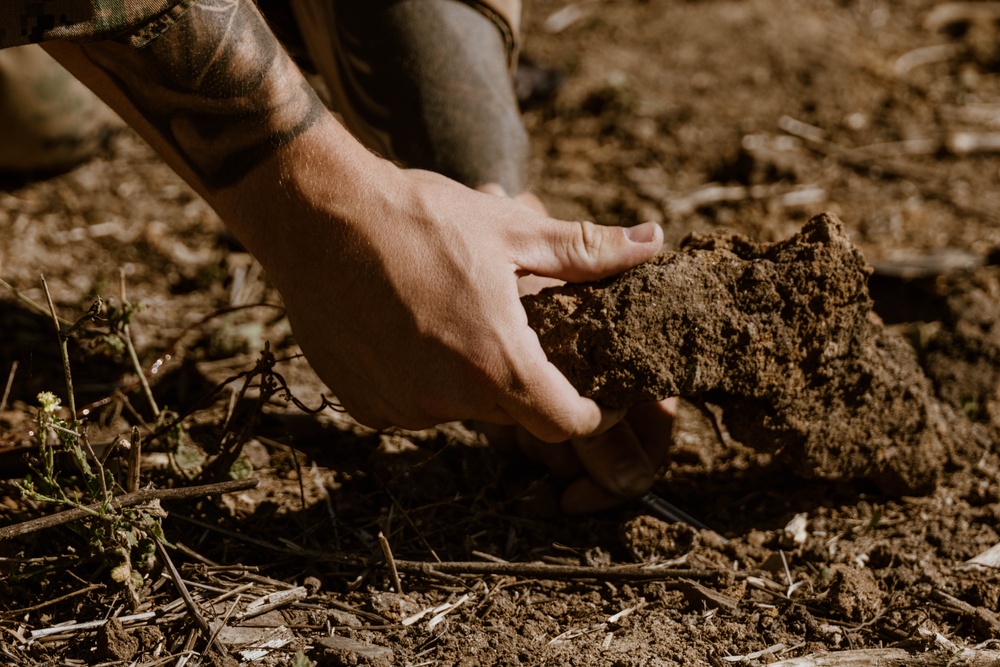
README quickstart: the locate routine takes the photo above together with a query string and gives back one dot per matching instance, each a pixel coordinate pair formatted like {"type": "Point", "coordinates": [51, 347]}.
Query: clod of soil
{"type": "Point", "coordinates": [113, 643]}
{"type": "Point", "coordinates": [855, 594]}
{"type": "Point", "coordinates": [648, 538]}
{"type": "Point", "coordinates": [781, 336]}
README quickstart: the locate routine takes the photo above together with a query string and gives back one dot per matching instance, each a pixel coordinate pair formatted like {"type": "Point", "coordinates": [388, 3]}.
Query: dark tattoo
{"type": "Point", "coordinates": [217, 86]}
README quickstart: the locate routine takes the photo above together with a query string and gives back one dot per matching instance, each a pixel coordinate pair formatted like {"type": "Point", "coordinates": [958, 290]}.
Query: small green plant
{"type": "Point", "coordinates": [125, 537]}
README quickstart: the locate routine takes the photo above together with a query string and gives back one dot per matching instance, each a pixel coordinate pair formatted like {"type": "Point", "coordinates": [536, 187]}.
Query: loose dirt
{"type": "Point", "coordinates": [731, 123]}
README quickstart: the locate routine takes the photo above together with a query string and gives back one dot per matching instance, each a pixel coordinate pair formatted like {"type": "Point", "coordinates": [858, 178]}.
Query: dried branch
{"type": "Point", "coordinates": [984, 114]}
{"type": "Point", "coordinates": [925, 55]}
{"type": "Point", "coordinates": [895, 657]}
{"type": "Point", "coordinates": [88, 625]}
{"type": "Point", "coordinates": [271, 602]}
{"type": "Point", "coordinates": [127, 500]}
{"type": "Point", "coordinates": [968, 143]}
{"type": "Point", "coordinates": [714, 194]}
{"type": "Point", "coordinates": [134, 456]}
{"type": "Point", "coordinates": [932, 182]}
{"type": "Point", "coordinates": [189, 602]}
{"type": "Point", "coordinates": [10, 383]}
{"type": "Point", "coordinates": [29, 303]}
{"type": "Point", "coordinates": [133, 356]}
{"type": "Point", "coordinates": [949, 13]}
{"type": "Point", "coordinates": [56, 600]}
{"type": "Point", "coordinates": [387, 552]}
{"type": "Point", "coordinates": [285, 548]}
{"type": "Point", "coordinates": [553, 572]}
{"type": "Point", "coordinates": [980, 616]}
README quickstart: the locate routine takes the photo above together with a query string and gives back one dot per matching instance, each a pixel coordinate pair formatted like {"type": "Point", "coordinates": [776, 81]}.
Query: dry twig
{"type": "Point", "coordinates": [932, 182]}
{"type": "Point", "coordinates": [88, 625]}
{"type": "Point", "coordinates": [950, 13]}
{"type": "Point", "coordinates": [387, 552]}
{"type": "Point", "coordinates": [980, 616]}
{"type": "Point", "coordinates": [29, 303]}
{"type": "Point", "coordinates": [895, 657]}
{"type": "Point", "coordinates": [189, 602]}
{"type": "Point", "coordinates": [133, 356]}
{"type": "Point", "coordinates": [127, 500]}
{"type": "Point", "coordinates": [552, 572]}
{"type": "Point", "coordinates": [10, 383]}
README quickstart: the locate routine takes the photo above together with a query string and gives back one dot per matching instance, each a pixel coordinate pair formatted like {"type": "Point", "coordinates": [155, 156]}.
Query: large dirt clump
{"type": "Point", "coordinates": [781, 336]}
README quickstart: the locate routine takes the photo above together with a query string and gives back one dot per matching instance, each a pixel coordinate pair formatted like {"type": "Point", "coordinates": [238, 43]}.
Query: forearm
{"type": "Point", "coordinates": [400, 285]}
{"type": "Point", "coordinates": [219, 99]}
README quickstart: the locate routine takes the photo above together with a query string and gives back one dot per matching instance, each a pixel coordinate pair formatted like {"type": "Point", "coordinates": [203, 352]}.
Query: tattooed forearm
{"type": "Point", "coordinates": [218, 88]}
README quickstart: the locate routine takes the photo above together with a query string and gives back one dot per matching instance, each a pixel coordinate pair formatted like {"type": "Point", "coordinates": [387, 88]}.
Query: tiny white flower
{"type": "Point", "coordinates": [49, 402]}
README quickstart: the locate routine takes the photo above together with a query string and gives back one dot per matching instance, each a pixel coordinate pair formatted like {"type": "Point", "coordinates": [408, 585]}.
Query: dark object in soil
{"type": "Point", "coordinates": [781, 336]}
{"type": "Point", "coordinates": [113, 643]}
{"type": "Point", "coordinates": [854, 594]}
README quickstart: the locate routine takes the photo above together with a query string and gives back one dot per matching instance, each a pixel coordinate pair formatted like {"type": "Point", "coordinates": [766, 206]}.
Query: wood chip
{"type": "Point", "coordinates": [349, 646]}
{"type": "Point", "coordinates": [894, 657]}
{"type": "Point", "coordinates": [696, 594]}
{"type": "Point", "coordinates": [989, 558]}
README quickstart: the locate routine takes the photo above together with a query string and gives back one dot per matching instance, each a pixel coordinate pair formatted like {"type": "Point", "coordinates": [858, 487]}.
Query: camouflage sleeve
{"type": "Point", "coordinates": [135, 22]}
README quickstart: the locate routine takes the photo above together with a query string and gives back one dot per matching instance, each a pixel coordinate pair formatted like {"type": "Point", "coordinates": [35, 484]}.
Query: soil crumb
{"type": "Point", "coordinates": [113, 643]}
{"type": "Point", "coordinates": [855, 594]}
{"type": "Point", "coordinates": [649, 539]}
{"type": "Point", "coordinates": [781, 336]}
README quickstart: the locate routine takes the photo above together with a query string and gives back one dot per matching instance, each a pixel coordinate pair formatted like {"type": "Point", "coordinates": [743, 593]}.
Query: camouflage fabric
{"type": "Point", "coordinates": [137, 22]}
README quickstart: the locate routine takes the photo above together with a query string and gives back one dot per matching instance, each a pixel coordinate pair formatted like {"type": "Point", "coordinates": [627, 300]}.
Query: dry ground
{"type": "Point", "coordinates": [750, 115]}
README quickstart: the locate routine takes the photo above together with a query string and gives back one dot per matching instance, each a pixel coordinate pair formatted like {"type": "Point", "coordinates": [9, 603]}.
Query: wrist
{"type": "Point", "coordinates": [318, 186]}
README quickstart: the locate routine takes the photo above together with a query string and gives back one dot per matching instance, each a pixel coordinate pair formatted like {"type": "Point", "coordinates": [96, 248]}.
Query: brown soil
{"type": "Point", "coordinates": [780, 336]}
{"type": "Point", "coordinates": [790, 110]}
{"type": "Point", "coordinates": [962, 355]}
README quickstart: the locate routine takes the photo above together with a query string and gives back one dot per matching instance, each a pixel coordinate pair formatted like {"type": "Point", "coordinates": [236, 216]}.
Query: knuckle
{"type": "Point", "coordinates": [589, 241]}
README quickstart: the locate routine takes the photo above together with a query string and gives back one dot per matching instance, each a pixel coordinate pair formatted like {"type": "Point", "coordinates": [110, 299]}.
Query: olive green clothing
{"type": "Point", "coordinates": [137, 22]}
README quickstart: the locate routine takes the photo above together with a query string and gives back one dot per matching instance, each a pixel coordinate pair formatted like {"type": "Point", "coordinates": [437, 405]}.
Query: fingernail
{"type": "Point", "coordinates": [643, 233]}
{"type": "Point", "coordinates": [633, 477]}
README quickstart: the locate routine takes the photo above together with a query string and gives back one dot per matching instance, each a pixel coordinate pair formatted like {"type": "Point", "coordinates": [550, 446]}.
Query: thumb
{"type": "Point", "coordinates": [580, 251]}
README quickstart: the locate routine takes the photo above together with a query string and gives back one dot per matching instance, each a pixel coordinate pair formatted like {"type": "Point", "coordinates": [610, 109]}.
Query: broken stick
{"type": "Point", "coordinates": [127, 500]}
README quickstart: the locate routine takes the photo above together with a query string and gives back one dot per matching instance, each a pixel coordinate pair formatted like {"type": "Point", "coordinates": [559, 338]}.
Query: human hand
{"type": "Point", "coordinates": [401, 286]}
{"type": "Point", "coordinates": [606, 469]}
{"type": "Point", "coordinates": [403, 296]}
